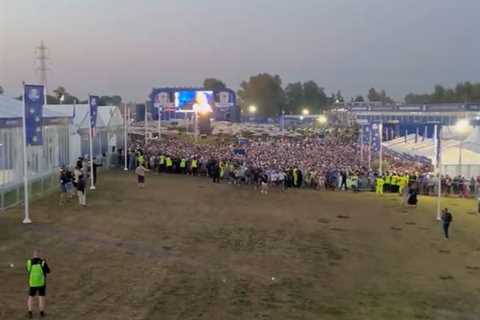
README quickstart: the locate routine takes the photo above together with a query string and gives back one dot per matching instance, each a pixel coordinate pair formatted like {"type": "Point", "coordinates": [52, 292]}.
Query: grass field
{"type": "Point", "coordinates": [184, 248]}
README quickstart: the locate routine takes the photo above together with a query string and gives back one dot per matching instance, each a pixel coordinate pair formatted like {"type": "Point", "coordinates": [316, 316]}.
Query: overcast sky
{"type": "Point", "coordinates": [127, 47]}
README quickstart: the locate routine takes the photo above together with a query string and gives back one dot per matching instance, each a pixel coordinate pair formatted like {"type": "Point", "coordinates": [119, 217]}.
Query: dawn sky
{"type": "Point", "coordinates": [127, 47]}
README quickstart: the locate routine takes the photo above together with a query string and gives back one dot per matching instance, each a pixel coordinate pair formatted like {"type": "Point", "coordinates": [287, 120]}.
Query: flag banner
{"type": "Point", "coordinates": [364, 134]}
{"type": "Point", "coordinates": [376, 137]}
{"type": "Point", "coordinates": [93, 104]}
{"type": "Point", "coordinates": [34, 99]}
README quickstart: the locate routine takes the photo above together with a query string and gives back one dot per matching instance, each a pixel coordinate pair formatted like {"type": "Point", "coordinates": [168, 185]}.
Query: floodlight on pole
{"type": "Point", "coordinates": [252, 109]}
{"type": "Point", "coordinates": [462, 126]}
{"type": "Point", "coordinates": [305, 112]}
{"type": "Point", "coordinates": [322, 119]}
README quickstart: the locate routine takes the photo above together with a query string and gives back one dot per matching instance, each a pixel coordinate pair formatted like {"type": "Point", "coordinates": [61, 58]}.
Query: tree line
{"type": "Point", "coordinates": [462, 92]}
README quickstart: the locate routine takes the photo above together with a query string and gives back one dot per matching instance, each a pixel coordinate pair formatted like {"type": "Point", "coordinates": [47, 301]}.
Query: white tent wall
{"type": "Point", "coordinates": [450, 151]}
{"type": "Point", "coordinates": [41, 159]}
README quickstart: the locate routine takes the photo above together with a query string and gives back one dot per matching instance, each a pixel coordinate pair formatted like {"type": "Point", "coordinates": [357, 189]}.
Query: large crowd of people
{"type": "Point", "coordinates": [320, 161]}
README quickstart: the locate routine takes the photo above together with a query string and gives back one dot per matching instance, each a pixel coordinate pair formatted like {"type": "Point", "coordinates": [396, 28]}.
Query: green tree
{"type": "Point", "coordinates": [214, 84]}
{"type": "Point", "coordinates": [59, 92]}
{"type": "Point", "coordinates": [373, 95]}
{"type": "Point", "coordinates": [339, 97]}
{"type": "Point", "coordinates": [1, 90]}
{"type": "Point", "coordinates": [293, 98]}
{"type": "Point", "coordinates": [265, 91]}
{"type": "Point", "coordinates": [359, 98]}
{"type": "Point", "coordinates": [314, 97]}
{"type": "Point", "coordinates": [114, 100]}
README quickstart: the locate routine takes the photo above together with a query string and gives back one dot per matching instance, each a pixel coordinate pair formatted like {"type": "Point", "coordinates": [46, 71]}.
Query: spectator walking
{"type": "Point", "coordinates": [446, 219]}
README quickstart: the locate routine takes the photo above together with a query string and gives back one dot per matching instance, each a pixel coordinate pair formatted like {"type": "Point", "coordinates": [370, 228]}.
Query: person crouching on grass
{"type": "Point", "coordinates": [140, 172]}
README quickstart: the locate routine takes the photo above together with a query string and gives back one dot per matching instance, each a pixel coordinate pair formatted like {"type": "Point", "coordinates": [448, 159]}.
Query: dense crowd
{"type": "Point", "coordinates": [316, 161]}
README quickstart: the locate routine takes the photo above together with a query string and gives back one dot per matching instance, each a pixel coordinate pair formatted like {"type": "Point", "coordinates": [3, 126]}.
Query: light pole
{"type": "Point", "coordinates": [305, 112]}
{"type": "Point", "coordinates": [252, 109]}
{"type": "Point", "coordinates": [125, 138]}
{"type": "Point", "coordinates": [3, 164]}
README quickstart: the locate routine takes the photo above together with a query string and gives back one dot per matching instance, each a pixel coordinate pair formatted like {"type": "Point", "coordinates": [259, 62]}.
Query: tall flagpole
{"type": "Point", "coordinates": [26, 219]}
{"type": "Point", "coordinates": [146, 123]}
{"type": "Point", "coordinates": [125, 120]}
{"type": "Point", "coordinates": [438, 163]}
{"type": "Point", "coordinates": [361, 144]}
{"type": "Point", "coordinates": [380, 138]}
{"type": "Point", "coordinates": [370, 149]}
{"type": "Point", "coordinates": [92, 185]}
{"type": "Point", "coordinates": [159, 123]}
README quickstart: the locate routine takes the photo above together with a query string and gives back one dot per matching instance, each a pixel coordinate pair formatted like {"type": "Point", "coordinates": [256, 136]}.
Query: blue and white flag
{"type": "Point", "coordinates": [93, 102]}
{"type": "Point", "coordinates": [376, 139]}
{"type": "Point", "coordinates": [365, 134]}
{"type": "Point", "coordinates": [34, 99]}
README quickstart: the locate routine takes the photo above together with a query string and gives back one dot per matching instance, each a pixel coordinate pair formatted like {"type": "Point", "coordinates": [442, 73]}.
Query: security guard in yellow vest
{"type": "Point", "coordinates": [194, 166]}
{"type": "Point", "coordinates": [169, 164]}
{"type": "Point", "coordinates": [37, 270]}
{"type": "Point", "coordinates": [161, 163]}
{"type": "Point", "coordinates": [183, 166]}
{"type": "Point", "coordinates": [379, 183]}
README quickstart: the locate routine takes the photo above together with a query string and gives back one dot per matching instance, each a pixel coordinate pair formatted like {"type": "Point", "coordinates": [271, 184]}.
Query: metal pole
{"type": "Point", "coordinates": [370, 149]}
{"type": "Point", "coordinates": [283, 123]}
{"type": "Point", "coordinates": [26, 219]}
{"type": "Point", "coordinates": [361, 144]}
{"type": "Point", "coordinates": [146, 123]}
{"type": "Point", "coordinates": [90, 135]}
{"type": "Point", "coordinates": [438, 154]}
{"type": "Point", "coordinates": [159, 123]}
{"type": "Point", "coordinates": [196, 126]}
{"type": "Point", "coordinates": [3, 164]}
{"type": "Point", "coordinates": [125, 138]}
{"type": "Point", "coordinates": [380, 137]}
{"type": "Point", "coordinates": [460, 157]}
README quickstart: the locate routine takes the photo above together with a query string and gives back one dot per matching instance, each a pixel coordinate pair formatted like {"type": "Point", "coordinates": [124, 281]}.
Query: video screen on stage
{"type": "Point", "coordinates": [194, 101]}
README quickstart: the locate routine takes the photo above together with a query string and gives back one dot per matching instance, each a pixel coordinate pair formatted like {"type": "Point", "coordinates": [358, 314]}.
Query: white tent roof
{"type": "Point", "coordinates": [450, 148]}
{"type": "Point", "coordinates": [13, 109]}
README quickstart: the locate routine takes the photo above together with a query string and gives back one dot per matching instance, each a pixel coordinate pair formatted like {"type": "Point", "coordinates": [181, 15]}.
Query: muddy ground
{"type": "Point", "coordinates": [184, 248]}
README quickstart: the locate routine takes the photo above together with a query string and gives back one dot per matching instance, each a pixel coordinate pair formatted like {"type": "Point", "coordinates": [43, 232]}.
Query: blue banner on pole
{"type": "Point", "coordinates": [376, 139]}
{"type": "Point", "coordinates": [93, 102]}
{"type": "Point", "coordinates": [34, 99]}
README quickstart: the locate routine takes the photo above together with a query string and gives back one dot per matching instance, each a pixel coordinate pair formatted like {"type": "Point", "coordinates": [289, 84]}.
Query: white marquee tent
{"type": "Point", "coordinates": [453, 149]}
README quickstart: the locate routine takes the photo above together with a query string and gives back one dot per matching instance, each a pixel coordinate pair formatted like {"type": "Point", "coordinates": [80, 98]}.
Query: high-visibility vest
{"type": "Point", "coordinates": [194, 164]}
{"type": "Point", "coordinates": [388, 179]}
{"type": "Point", "coordinates": [162, 159]}
{"type": "Point", "coordinates": [183, 163]}
{"type": "Point", "coordinates": [169, 162]}
{"type": "Point", "coordinates": [36, 277]}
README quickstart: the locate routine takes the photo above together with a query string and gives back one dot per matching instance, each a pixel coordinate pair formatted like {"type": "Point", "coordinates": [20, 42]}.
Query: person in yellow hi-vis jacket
{"type": "Point", "coordinates": [37, 270]}
{"type": "Point", "coordinates": [379, 184]}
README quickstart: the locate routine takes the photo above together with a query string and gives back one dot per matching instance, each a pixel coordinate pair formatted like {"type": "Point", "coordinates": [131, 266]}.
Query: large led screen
{"type": "Point", "coordinates": [194, 101]}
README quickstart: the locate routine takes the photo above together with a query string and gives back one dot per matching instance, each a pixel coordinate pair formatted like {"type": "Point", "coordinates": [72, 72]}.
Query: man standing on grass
{"type": "Point", "coordinates": [37, 270]}
{"type": "Point", "coordinates": [446, 219]}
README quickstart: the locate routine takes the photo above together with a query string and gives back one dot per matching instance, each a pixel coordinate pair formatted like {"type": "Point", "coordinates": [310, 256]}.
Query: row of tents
{"type": "Point", "coordinates": [65, 132]}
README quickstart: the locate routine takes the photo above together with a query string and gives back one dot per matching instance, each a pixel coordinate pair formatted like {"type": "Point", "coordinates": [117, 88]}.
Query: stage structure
{"type": "Point", "coordinates": [183, 103]}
